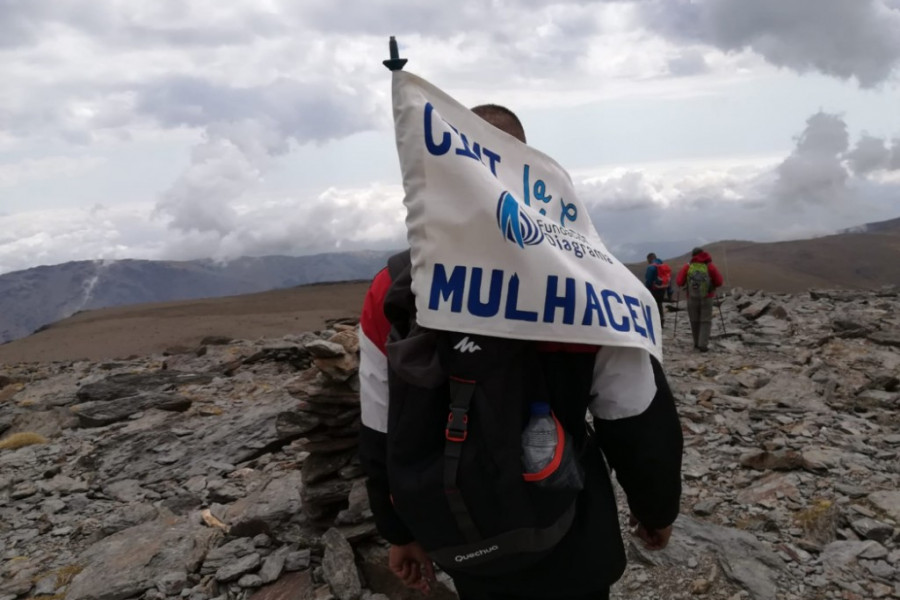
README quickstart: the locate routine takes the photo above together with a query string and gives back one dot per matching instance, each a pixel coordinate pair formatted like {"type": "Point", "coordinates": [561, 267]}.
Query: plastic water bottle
{"type": "Point", "coordinates": [539, 444]}
{"type": "Point", "coordinates": [539, 438]}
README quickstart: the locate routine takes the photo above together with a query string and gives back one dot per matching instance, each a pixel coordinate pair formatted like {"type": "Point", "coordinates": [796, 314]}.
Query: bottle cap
{"type": "Point", "coordinates": [540, 408]}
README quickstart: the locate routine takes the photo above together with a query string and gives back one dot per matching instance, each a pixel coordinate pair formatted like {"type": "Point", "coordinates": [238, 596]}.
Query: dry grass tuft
{"type": "Point", "coordinates": [20, 440]}
{"type": "Point", "coordinates": [64, 576]}
{"type": "Point", "coordinates": [10, 390]}
{"type": "Point", "coordinates": [819, 521]}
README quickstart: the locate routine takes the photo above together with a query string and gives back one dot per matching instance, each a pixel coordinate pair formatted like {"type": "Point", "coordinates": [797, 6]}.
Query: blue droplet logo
{"type": "Point", "coordinates": [515, 224]}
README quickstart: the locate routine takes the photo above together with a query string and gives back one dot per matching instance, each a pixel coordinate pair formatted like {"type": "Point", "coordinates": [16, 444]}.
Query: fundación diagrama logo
{"type": "Point", "coordinates": [515, 224]}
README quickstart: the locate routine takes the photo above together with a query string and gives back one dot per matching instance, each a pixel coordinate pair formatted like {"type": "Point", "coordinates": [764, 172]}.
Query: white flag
{"type": "Point", "coordinates": [500, 244]}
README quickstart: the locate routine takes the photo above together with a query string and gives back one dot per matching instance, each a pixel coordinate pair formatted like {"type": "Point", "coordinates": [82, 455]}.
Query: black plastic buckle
{"type": "Point", "coordinates": [457, 425]}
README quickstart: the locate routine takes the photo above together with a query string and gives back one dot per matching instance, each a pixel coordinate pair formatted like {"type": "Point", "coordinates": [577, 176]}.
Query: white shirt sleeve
{"type": "Point", "coordinates": [624, 385]}
{"type": "Point", "coordinates": [373, 384]}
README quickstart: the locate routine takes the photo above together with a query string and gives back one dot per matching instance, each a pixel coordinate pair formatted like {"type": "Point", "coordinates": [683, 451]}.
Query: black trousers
{"type": "Point", "coordinates": [659, 296]}
{"type": "Point", "coordinates": [472, 594]}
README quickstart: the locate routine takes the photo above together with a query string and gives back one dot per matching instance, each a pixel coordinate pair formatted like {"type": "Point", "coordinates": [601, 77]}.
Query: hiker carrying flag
{"type": "Point", "coordinates": [473, 435]}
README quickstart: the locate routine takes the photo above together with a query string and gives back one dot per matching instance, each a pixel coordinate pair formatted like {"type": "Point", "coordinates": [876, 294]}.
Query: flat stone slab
{"type": "Point", "coordinates": [743, 558]}
{"type": "Point", "coordinates": [130, 562]}
{"type": "Point", "coordinates": [888, 502]}
{"type": "Point", "coordinates": [103, 412]}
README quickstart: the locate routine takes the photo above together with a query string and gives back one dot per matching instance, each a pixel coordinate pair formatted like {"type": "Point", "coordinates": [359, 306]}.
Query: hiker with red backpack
{"type": "Point", "coordinates": [479, 458]}
{"type": "Point", "coordinates": [700, 278]}
{"type": "Point", "coordinates": [658, 279]}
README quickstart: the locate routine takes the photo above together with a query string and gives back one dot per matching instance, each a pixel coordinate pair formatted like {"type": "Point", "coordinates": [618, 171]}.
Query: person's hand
{"type": "Point", "coordinates": [412, 566]}
{"type": "Point", "coordinates": [653, 539]}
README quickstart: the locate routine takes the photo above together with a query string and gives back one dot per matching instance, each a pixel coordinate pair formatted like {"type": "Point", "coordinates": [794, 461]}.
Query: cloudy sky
{"type": "Point", "coordinates": [179, 129]}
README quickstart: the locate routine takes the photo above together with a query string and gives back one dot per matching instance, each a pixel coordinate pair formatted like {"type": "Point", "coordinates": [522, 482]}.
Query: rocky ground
{"type": "Point", "coordinates": [228, 470]}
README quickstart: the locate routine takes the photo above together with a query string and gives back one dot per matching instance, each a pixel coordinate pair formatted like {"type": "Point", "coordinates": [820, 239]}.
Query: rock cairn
{"type": "Point", "coordinates": [328, 420]}
{"type": "Point", "coordinates": [228, 471]}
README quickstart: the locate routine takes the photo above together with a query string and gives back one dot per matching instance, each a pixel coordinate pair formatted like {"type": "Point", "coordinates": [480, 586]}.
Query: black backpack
{"type": "Point", "coordinates": [458, 405]}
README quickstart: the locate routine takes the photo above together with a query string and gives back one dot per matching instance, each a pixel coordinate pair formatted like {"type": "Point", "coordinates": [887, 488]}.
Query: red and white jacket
{"type": "Point", "coordinates": [637, 431]}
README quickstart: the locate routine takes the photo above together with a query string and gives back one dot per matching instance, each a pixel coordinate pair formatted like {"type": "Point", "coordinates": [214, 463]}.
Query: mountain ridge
{"type": "Point", "coordinates": [852, 259]}
{"type": "Point", "coordinates": [34, 298]}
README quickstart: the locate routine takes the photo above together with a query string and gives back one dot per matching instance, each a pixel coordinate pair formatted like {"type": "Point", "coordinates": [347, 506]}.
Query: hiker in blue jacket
{"type": "Point", "coordinates": [658, 279]}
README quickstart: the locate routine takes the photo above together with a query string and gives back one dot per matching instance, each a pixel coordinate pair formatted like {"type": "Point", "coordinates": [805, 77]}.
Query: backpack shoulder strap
{"type": "Point", "coordinates": [398, 263]}
{"type": "Point", "coordinates": [400, 302]}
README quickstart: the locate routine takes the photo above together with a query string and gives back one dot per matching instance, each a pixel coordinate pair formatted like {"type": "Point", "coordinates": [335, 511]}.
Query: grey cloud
{"type": "Point", "coordinates": [560, 49]}
{"type": "Point", "coordinates": [678, 226]}
{"type": "Point", "coordinates": [817, 169]}
{"type": "Point", "coordinates": [870, 154]}
{"type": "Point", "coordinates": [894, 163]}
{"type": "Point", "coordinates": [505, 34]}
{"type": "Point", "coordinates": [196, 34]}
{"type": "Point", "coordinates": [843, 38]}
{"type": "Point", "coordinates": [200, 199]}
{"type": "Point", "coordinates": [48, 109]}
{"type": "Point", "coordinates": [349, 219]}
{"type": "Point", "coordinates": [683, 214]}
{"type": "Point", "coordinates": [246, 128]}
{"type": "Point", "coordinates": [817, 189]}
{"type": "Point", "coordinates": [302, 111]}
{"type": "Point", "coordinates": [171, 23]}
{"type": "Point", "coordinates": [825, 135]}
{"type": "Point", "coordinates": [814, 171]}
{"type": "Point", "coordinates": [20, 22]}
{"type": "Point", "coordinates": [689, 62]}
{"type": "Point", "coordinates": [399, 17]}
{"type": "Point", "coordinates": [387, 17]}
{"type": "Point", "coordinates": [626, 192]}
{"type": "Point", "coordinates": [802, 178]}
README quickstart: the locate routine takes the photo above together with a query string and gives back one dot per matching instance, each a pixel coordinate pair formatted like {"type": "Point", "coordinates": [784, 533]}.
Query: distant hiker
{"type": "Point", "coordinates": [658, 279]}
{"type": "Point", "coordinates": [460, 489]}
{"type": "Point", "coordinates": [700, 278]}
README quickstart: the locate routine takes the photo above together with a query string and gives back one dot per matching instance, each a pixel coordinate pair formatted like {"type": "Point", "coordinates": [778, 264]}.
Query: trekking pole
{"type": "Point", "coordinates": [719, 304]}
{"type": "Point", "coordinates": [725, 257]}
{"type": "Point", "coordinates": [677, 310]}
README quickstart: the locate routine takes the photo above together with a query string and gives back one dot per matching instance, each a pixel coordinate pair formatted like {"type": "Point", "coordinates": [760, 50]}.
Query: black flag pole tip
{"type": "Point", "coordinates": [394, 63]}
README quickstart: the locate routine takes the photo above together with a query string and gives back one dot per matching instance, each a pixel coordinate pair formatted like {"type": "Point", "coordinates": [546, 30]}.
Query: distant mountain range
{"type": "Point", "coordinates": [35, 297]}
{"type": "Point", "coordinates": [864, 257]}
